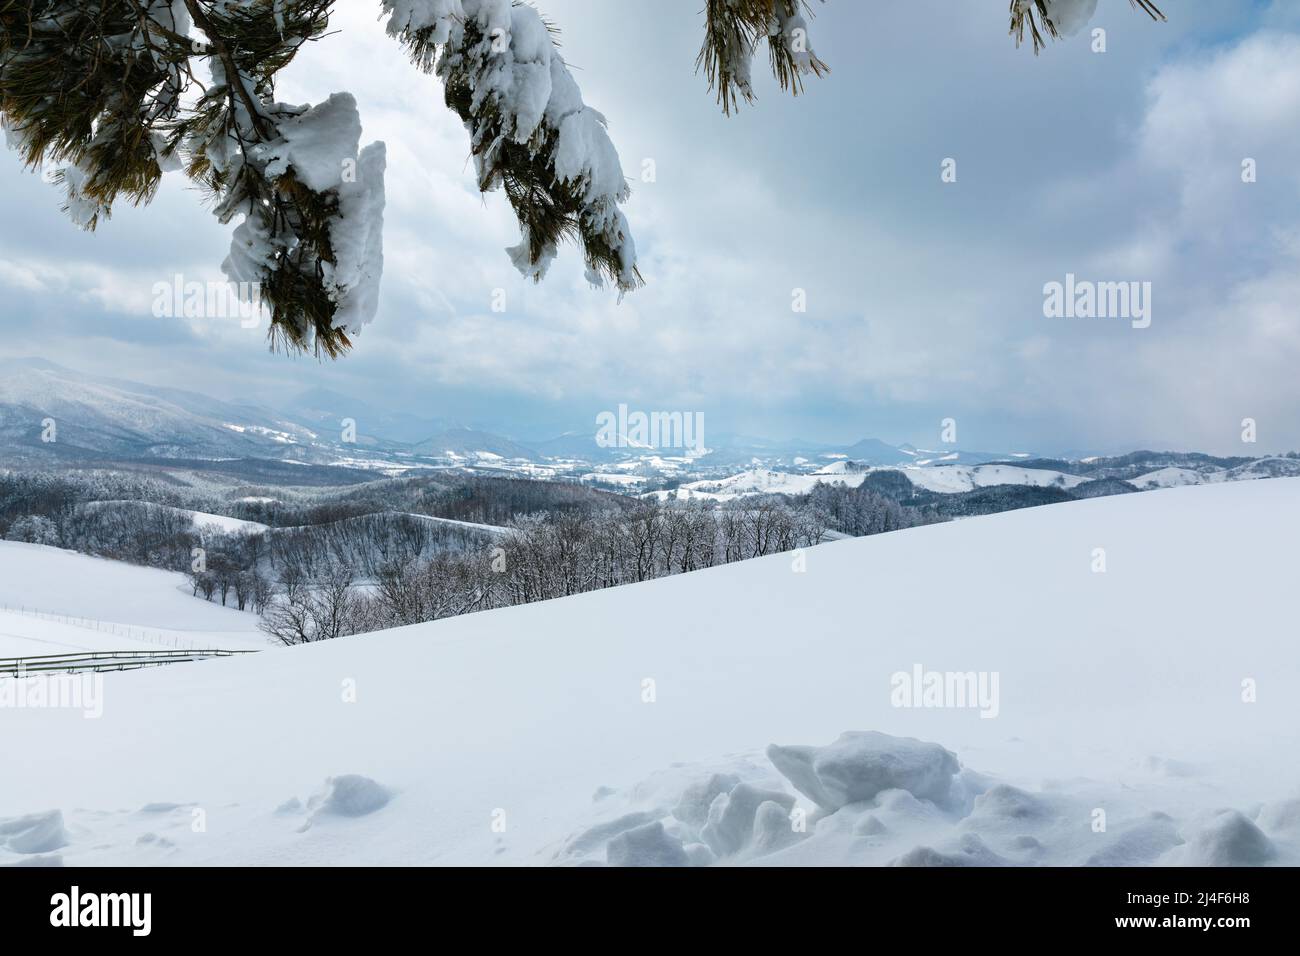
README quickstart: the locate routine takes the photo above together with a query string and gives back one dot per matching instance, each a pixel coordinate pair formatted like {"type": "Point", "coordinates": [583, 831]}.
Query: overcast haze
{"type": "Point", "coordinates": [924, 299]}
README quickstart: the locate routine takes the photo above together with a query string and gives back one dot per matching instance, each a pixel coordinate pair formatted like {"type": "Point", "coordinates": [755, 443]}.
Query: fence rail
{"type": "Point", "coordinates": [90, 662]}
{"type": "Point", "coordinates": [157, 636]}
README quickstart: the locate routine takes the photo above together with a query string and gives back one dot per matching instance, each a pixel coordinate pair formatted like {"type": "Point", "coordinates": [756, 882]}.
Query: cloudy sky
{"type": "Point", "coordinates": [924, 298]}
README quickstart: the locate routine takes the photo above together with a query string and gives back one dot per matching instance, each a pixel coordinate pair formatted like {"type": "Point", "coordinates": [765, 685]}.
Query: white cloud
{"type": "Point", "coordinates": [19, 275]}
{"type": "Point", "coordinates": [1212, 111]}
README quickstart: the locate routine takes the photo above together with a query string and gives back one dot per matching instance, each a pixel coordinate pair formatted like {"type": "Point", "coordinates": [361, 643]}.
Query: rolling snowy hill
{"type": "Point", "coordinates": [943, 478]}
{"type": "Point", "coordinates": [54, 602]}
{"type": "Point", "coordinates": [588, 730]}
{"type": "Point", "coordinates": [1174, 477]}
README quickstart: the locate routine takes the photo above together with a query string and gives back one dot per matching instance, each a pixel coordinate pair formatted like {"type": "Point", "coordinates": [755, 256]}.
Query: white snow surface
{"type": "Point", "coordinates": [1168, 478]}
{"type": "Point", "coordinates": [1250, 471]}
{"type": "Point", "coordinates": [939, 478]}
{"type": "Point", "coordinates": [35, 633]}
{"type": "Point", "coordinates": [203, 519]}
{"type": "Point", "coordinates": [57, 585]}
{"type": "Point", "coordinates": [357, 236]}
{"type": "Point", "coordinates": [321, 146]}
{"type": "Point", "coordinates": [954, 478]}
{"type": "Point", "coordinates": [1119, 691]}
{"type": "Point", "coordinates": [317, 143]}
{"type": "Point", "coordinates": [760, 481]}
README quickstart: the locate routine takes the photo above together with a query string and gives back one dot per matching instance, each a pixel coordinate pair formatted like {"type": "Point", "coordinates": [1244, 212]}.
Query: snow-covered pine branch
{"type": "Point", "coordinates": [311, 201]}
{"type": "Point", "coordinates": [88, 86]}
{"type": "Point", "coordinates": [105, 92]}
{"type": "Point", "coordinates": [733, 32]}
{"type": "Point", "coordinates": [97, 88]}
{"type": "Point", "coordinates": [1055, 19]}
{"type": "Point", "coordinates": [530, 132]}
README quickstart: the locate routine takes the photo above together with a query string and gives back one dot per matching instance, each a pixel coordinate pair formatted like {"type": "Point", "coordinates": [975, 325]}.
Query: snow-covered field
{"type": "Point", "coordinates": [943, 478]}
{"type": "Point", "coordinates": [759, 481]}
{"type": "Point", "coordinates": [202, 519]}
{"type": "Point", "coordinates": [1147, 714]}
{"type": "Point", "coordinates": [1253, 470]}
{"type": "Point", "coordinates": [56, 602]}
{"type": "Point", "coordinates": [954, 478]}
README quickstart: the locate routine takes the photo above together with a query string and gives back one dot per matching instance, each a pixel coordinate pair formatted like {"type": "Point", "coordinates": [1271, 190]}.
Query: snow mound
{"type": "Point", "coordinates": [861, 764]}
{"type": "Point", "coordinates": [1227, 838]}
{"type": "Point", "coordinates": [732, 811]}
{"type": "Point", "coordinates": [649, 845]}
{"type": "Point", "coordinates": [897, 801]}
{"type": "Point", "coordinates": [869, 825]}
{"type": "Point", "coordinates": [33, 833]}
{"type": "Point", "coordinates": [1281, 817]}
{"type": "Point", "coordinates": [1139, 844]}
{"type": "Point", "coordinates": [773, 827]}
{"type": "Point", "coordinates": [969, 851]}
{"type": "Point", "coordinates": [602, 833]}
{"type": "Point", "coordinates": [693, 807]}
{"type": "Point", "coordinates": [741, 812]}
{"type": "Point", "coordinates": [349, 795]}
{"type": "Point", "coordinates": [1003, 802]}
{"type": "Point", "coordinates": [730, 825]}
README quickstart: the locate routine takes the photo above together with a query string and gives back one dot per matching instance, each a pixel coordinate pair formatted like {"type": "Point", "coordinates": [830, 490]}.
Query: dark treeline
{"type": "Point", "coordinates": [920, 506]}
{"type": "Point", "coordinates": [35, 493]}
{"type": "Point", "coordinates": [368, 542]}
{"type": "Point", "coordinates": [479, 500]}
{"type": "Point", "coordinates": [861, 511]}
{"type": "Point", "coordinates": [125, 515]}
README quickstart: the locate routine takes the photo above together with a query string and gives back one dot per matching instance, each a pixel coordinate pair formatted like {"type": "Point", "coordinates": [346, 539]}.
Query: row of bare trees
{"type": "Point", "coordinates": [539, 559]}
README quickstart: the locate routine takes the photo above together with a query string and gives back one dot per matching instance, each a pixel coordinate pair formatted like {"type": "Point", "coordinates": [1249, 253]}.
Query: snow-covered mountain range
{"type": "Point", "coordinates": [53, 416]}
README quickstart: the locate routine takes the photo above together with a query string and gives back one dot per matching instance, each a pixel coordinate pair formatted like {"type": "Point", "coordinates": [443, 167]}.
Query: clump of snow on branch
{"type": "Point", "coordinates": [316, 144]}
{"type": "Point", "coordinates": [734, 32]}
{"type": "Point", "coordinates": [791, 27]}
{"type": "Point", "coordinates": [319, 147]}
{"type": "Point", "coordinates": [525, 109]}
{"type": "Point", "coordinates": [1071, 16]}
{"type": "Point", "coordinates": [418, 16]}
{"type": "Point", "coordinates": [1047, 19]}
{"type": "Point", "coordinates": [358, 239]}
